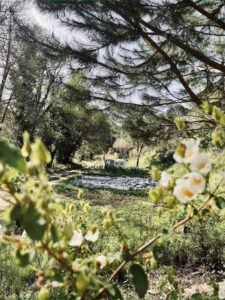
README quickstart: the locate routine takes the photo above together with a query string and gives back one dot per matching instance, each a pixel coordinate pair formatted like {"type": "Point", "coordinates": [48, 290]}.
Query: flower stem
{"type": "Point", "coordinates": [149, 243]}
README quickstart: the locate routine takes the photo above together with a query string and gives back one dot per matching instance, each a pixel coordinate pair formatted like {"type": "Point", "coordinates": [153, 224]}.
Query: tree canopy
{"type": "Point", "coordinates": [164, 53]}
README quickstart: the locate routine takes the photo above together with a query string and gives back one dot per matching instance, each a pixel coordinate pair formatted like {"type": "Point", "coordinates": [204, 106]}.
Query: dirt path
{"type": "Point", "coordinates": [62, 176]}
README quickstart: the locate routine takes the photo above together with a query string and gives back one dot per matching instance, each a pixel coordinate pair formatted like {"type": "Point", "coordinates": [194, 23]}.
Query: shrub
{"type": "Point", "coordinates": [163, 159]}
{"type": "Point", "coordinates": [70, 246]}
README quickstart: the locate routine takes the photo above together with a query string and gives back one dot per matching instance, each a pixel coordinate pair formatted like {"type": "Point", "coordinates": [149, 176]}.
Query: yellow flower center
{"type": "Point", "coordinates": [188, 193]}
{"type": "Point", "coordinates": [197, 180]}
{"type": "Point", "coordinates": [190, 154]}
{"type": "Point", "coordinates": [202, 166]}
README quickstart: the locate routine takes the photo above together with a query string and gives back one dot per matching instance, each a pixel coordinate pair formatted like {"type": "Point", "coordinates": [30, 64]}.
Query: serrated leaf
{"type": "Point", "coordinates": [34, 223]}
{"type": "Point", "coordinates": [12, 157]}
{"type": "Point", "coordinates": [139, 279]}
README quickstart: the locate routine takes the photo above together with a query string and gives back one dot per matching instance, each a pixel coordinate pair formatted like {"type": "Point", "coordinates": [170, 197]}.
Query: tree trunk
{"type": "Point", "coordinates": [139, 150]}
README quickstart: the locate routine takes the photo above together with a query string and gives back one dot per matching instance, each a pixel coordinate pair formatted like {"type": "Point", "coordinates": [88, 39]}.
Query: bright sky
{"type": "Point", "coordinates": [47, 22]}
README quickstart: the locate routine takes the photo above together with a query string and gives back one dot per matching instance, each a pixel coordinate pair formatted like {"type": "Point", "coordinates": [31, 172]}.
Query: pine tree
{"type": "Point", "coordinates": [162, 51]}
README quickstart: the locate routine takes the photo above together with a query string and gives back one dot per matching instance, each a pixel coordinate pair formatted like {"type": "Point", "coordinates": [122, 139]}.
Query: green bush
{"type": "Point", "coordinates": [163, 159]}
{"type": "Point", "coordinates": [203, 244]}
{"type": "Point", "coordinates": [112, 171]}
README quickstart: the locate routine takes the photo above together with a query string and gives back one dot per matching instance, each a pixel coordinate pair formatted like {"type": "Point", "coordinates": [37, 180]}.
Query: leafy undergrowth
{"type": "Point", "coordinates": [201, 250]}
{"type": "Point", "coordinates": [202, 245]}
{"type": "Point", "coordinates": [131, 172]}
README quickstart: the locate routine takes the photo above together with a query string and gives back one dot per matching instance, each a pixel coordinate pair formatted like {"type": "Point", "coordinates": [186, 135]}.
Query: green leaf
{"type": "Point", "coordinates": [163, 285]}
{"type": "Point", "coordinates": [22, 259]}
{"type": "Point", "coordinates": [57, 207]}
{"type": "Point", "coordinates": [205, 211]}
{"type": "Point", "coordinates": [34, 223]}
{"type": "Point", "coordinates": [26, 150]}
{"type": "Point", "coordinates": [158, 252]}
{"type": "Point", "coordinates": [7, 214]}
{"type": "Point", "coordinates": [195, 212]}
{"type": "Point", "coordinates": [39, 154]}
{"type": "Point", "coordinates": [115, 292]}
{"type": "Point", "coordinates": [12, 157]}
{"type": "Point", "coordinates": [139, 280]}
{"type": "Point", "coordinates": [167, 233]}
{"type": "Point", "coordinates": [220, 202]}
{"type": "Point", "coordinates": [15, 212]}
{"type": "Point", "coordinates": [173, 296]}
{"type": "Point", "coordinates": [197, 296]}
{"type": "Point", "coordinates": [57, 277]}
{"type": "Point", "coordinates": [170, 279]}
{"type": "Point", "coordinates": [54, 233]}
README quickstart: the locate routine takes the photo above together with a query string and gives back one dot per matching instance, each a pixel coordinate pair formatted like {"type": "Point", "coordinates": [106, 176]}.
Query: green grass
{"type": "Point", "coordinates": [69, 189]}
{"type": "Point", "coordinates": [203, 245]}
{"type": "Point", "coordinates": [16, 282]}
{"type": "Point", "coordinates": [54, 178]}
{"type": "Point", "coordinates": [140, 221]}
{"type": "Point", "coordinates": [57, 168]}
{"type": "Point", "coordinates": [144, 159]}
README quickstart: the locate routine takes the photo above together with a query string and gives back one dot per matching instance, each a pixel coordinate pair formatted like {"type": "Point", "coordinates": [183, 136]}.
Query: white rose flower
{"type": "Point", "coordinates": [77, 238]}
{"type": "Point", "coordinates": [201, 163]}
{"type": "Point", "coordinates": [165, 180]}
{"type": "Point", "coordinates": [101, 261]}
{"type": "Point", "coordinates": [196, 182]}
{"type": "Point", "coordinates": [92, 237]}
{"type": "Point", "coordinates": [222, 173]}
{"type": "Point", "coordinates": [179, 159]}
{"type": "Point", "coordinates": [189, 150]}
{"type": "Point", "coordinates": [183, 191]}
{"type": "Point", "coordinates": [221, 293]}
{"type": "Point", "coordinates": [192, 149]}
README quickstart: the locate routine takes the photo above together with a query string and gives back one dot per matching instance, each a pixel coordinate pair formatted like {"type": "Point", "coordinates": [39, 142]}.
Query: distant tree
{"type": "Point", "coordinates": [122, 147]}
{"type": "Point", "coordinates": [33, 80]}
{"type": "Point", "coordinates": [146, 130]}
{"type": "Point", "coordinates": [160, 54]}
{"type": "Point", "coordinates": [8, 50]}
{"type": "Point", "coordinates": [72, 122]}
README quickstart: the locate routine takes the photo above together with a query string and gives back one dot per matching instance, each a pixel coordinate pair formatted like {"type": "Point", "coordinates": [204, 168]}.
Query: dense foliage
{"type": "Point", "coordinates": [49, 229]}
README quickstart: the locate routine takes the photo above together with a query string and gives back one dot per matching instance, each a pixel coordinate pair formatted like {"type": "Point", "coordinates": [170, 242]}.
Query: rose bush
{"type": "Point", "coordinates": [49, 228]}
